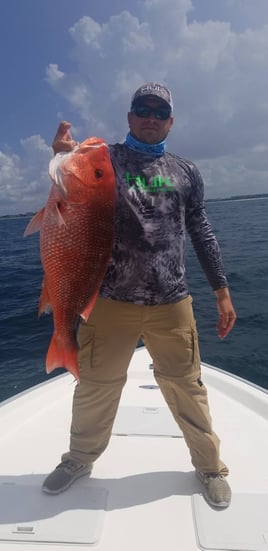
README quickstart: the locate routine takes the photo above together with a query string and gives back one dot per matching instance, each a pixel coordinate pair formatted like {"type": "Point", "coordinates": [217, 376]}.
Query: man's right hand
{"type": "Point", "coordinates": [63, 140]}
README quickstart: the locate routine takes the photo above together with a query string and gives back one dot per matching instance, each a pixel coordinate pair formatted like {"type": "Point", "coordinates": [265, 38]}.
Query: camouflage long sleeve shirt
{"type": "Point", "coordinates": [158, 200]}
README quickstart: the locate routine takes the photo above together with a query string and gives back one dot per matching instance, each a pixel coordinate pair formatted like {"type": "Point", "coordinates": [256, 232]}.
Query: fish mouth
{"type": "Point", "coordinates": [94, 146]}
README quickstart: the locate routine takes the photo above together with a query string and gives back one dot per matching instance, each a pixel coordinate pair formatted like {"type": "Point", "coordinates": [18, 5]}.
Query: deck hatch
{"type": "Point", "coordinates": [240, 527]}
{"type": "Point", "coordinates": [145, 421]}
{"type": "Point", "coordinates": [28, 515]}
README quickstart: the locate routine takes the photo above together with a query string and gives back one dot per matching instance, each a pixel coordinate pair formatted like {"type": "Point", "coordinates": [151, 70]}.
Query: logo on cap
{"type": "Point", "coordinates": [151, 88]}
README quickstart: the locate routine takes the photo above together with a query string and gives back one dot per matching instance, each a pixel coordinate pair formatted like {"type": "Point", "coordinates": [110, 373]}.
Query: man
{"type": "Point", "coordinates": [145, 294]}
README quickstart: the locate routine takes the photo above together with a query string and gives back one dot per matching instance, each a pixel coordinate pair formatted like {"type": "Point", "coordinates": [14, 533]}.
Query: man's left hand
{"type": "Point", "coordinates": [226, 311]}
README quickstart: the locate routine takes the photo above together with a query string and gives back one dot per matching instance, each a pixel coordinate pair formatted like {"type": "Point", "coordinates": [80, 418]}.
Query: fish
{"type": "Point", "coordinates": [76, 238]}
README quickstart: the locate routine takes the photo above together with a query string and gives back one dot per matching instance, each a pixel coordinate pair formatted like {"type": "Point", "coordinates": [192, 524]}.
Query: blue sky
{"type": "Point", "coordinates": [82, 60]}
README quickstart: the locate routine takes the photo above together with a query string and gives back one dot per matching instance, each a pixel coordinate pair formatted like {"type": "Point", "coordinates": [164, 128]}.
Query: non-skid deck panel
{"type": "Point", "coordinates": [145, 421]}
{"type": "Point", "coordinates": [28, 515]}
{"type": "Point", "coordinates": [243, 526]}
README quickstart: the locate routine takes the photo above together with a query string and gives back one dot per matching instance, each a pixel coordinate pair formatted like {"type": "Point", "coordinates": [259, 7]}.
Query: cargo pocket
{"type": "Point", "coordinates": [188, 359]}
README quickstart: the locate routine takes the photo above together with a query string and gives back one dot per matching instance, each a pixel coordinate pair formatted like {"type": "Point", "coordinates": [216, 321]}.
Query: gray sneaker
{"type": "Point", "coordinates": [217, 490]}
{"type": "Point", "coordinates": [64, 475]}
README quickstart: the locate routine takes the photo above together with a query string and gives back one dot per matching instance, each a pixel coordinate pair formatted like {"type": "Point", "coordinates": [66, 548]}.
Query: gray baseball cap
{"type": "Point", "coordinates": [153, 89]}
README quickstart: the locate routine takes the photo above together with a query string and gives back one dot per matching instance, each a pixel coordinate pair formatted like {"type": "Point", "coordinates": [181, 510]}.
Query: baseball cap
{"type": "Point", "coordinates": [153, 89]}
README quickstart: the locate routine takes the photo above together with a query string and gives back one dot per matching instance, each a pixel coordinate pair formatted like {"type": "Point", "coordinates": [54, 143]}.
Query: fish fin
{"type": "Point", "coordinates": [60, 357]}
{"type": "Point", "coordinates": [44, 300]}
{"type": "Point", "coordinates": [35, 223]}
{"type": "Point", "coordinates": [59, 218]}
{"type": "Point", "coordinates": [87, 311]}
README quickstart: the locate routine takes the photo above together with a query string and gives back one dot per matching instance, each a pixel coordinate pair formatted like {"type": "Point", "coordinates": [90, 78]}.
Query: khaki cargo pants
{"type": "Point", "coordinates": [107, 343]}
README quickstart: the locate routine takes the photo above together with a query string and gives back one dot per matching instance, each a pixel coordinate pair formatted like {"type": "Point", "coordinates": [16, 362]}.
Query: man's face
{"type": "Point", "coordinates": [150, 129]}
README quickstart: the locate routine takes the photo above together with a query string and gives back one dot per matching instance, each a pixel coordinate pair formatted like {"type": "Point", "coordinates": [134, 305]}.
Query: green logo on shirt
{"type": "Point", "coordinates": [159, 183]}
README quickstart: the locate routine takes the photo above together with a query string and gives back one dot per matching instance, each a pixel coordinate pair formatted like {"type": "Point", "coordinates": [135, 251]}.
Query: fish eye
{"type": "Point", "coordinates": [98, 173]}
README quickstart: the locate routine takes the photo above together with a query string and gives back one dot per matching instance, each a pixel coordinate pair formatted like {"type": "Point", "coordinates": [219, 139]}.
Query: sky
{"type": "Point", "coordinates": [81, 61]}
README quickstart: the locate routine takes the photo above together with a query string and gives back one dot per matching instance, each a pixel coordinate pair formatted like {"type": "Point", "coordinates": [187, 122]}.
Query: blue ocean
{"type": "Point", "coordinates": [241, 227]}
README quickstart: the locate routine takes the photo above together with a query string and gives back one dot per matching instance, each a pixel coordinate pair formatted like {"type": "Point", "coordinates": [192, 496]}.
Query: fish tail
{"type": "Point", "coordinates": [62, 357]}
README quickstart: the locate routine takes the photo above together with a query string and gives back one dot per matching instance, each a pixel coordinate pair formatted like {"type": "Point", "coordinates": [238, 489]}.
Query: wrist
{"type": "Point", "coordinates": [222, 293]}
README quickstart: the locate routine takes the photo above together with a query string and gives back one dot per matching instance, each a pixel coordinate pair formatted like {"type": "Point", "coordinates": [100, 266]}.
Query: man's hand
{"type": "Point", "coordinates": [63, 140]}
{"type": "Point", "coordinates": [226, 311]}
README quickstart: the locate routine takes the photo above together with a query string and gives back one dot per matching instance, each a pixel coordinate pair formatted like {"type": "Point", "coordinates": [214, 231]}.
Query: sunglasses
{"type": "Point", "coordinates": [143, 111]}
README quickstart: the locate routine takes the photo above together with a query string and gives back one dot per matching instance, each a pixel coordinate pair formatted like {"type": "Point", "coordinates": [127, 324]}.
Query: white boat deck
{"type": "Point", "coordinates": [143, 494]}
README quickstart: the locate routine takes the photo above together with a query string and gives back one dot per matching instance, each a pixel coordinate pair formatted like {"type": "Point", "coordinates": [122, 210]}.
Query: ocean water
{"type": "Point", "coordinates": [241, 227]}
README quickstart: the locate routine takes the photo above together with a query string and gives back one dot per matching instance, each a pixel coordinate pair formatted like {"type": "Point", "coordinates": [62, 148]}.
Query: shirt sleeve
{"type": "Point", "coordinates": [202, 236]}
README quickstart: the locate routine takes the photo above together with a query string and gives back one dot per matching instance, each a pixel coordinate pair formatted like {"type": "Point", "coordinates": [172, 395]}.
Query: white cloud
{"type": "Point", "coordinates": [24, 181]}
{"type": "Point", "coordinates": [217, 73]}
{"type": "Point", "coordinates": [218, 78]}
{"type": "Point", "coordinates": [228, 176]}
{"type": "Point", "coordinates": [53, 73]}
